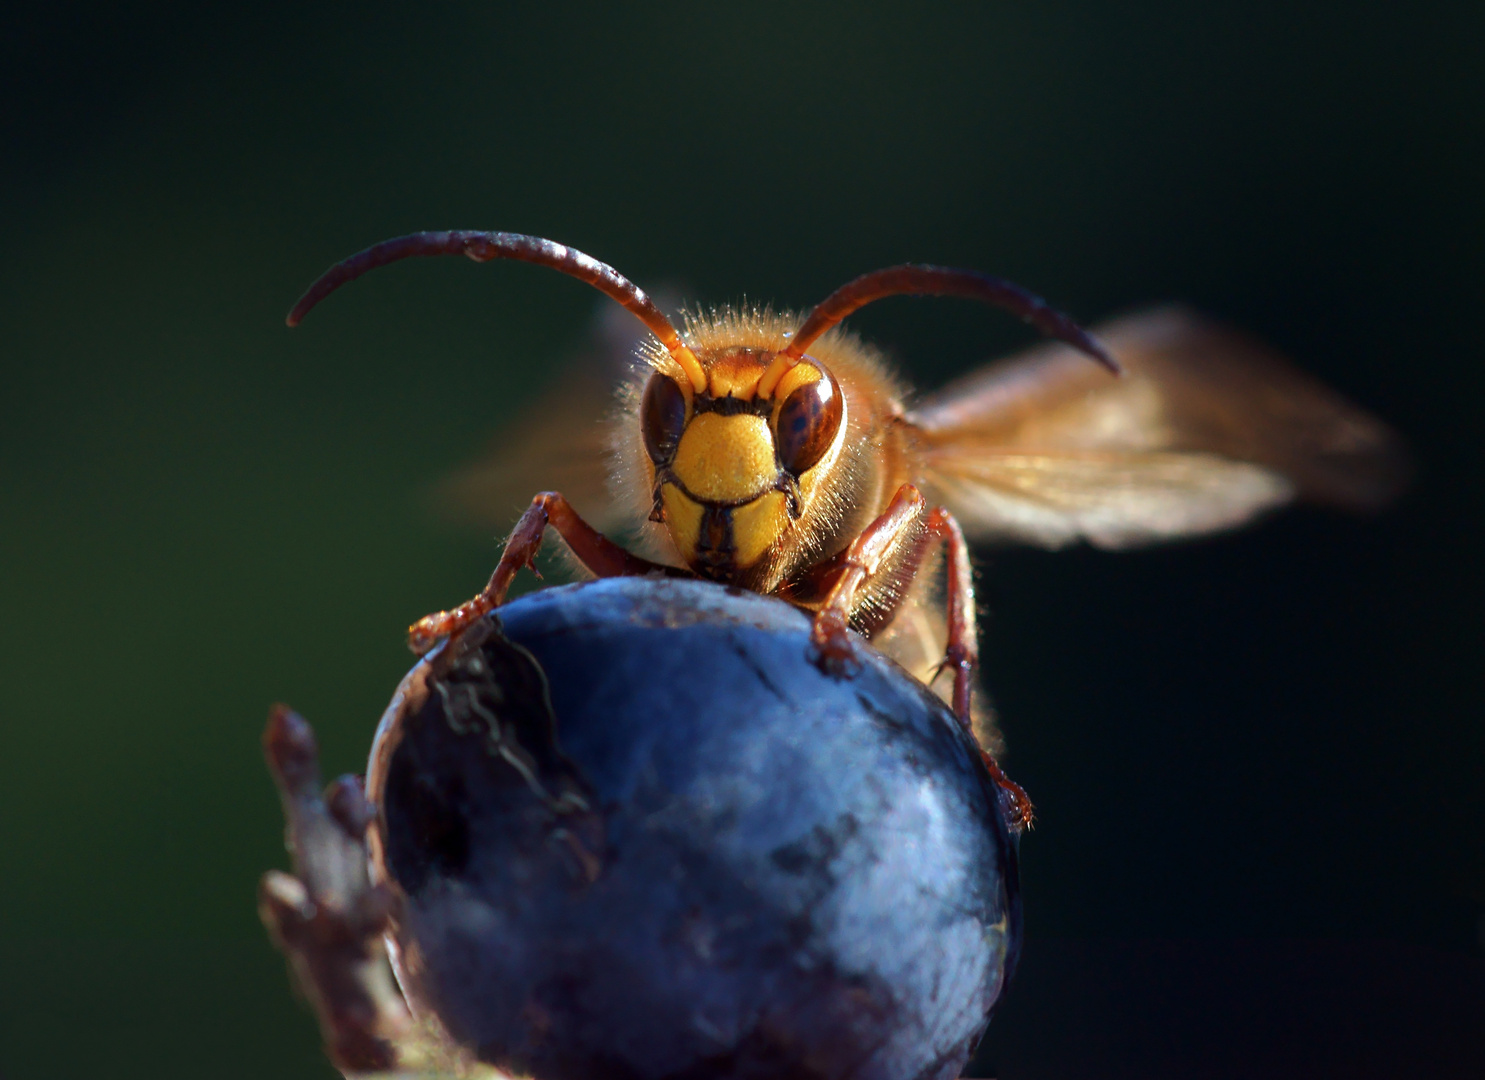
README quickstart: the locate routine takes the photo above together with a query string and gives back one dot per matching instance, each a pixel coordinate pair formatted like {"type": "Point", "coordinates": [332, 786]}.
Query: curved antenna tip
{"type": "Point", "coordinates": [304, 305]}
{"type": "Point", "coordinates": [1097, 350]}
{"type": "Point", "coordinates": [916, 279]}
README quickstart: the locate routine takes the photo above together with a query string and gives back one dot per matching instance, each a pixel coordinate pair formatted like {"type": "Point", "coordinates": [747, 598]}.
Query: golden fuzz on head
{"type": "Point", "coordinates": [763, 328]}
{"type": "Point", "coordinates": [753, 328]}
{"type": "Point", "coordinates": [707, 332]}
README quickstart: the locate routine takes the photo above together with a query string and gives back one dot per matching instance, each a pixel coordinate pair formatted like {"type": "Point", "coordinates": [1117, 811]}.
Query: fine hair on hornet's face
{"type": "Point", "coordinates": [731, 472]}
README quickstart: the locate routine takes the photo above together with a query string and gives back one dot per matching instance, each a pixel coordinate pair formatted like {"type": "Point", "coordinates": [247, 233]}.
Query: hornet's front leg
{"type": "Point", "coordinates": [866, 558]}
{"type": "Point", "coordinates": [600, 555]}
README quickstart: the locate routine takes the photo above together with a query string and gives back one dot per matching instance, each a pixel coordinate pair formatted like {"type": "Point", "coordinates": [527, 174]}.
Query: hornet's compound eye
{"type": "Point", "coordinates": [807, 423]}
{"type": "Point", "coordinates": [662, 417]}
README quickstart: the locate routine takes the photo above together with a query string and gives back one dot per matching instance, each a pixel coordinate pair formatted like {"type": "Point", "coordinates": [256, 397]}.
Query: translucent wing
{"type": "Point", "coordinates": [1206, 430]}
{"type": "Point", "coordinates": [561, 443]}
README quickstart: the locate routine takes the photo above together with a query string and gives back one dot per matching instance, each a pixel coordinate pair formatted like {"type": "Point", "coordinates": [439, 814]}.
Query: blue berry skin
{"type": "Point", "coordinates": [722, 863]}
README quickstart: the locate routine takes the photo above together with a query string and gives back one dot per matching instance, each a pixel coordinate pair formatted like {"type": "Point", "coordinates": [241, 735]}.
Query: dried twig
{"type": "Point", "coordinates": [328, 917]}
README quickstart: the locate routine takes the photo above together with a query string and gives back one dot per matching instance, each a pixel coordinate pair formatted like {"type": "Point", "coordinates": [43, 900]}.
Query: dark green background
{"type": "Point", "coordinates": [1275, 735]}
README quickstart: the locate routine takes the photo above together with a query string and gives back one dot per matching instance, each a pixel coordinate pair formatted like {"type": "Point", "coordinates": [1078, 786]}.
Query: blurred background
{"type": "Point", "coordinates": [1259, 759]}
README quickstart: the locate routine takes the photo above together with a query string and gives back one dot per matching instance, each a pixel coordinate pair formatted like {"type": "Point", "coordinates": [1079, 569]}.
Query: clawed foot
{"type": "Point", "coordinates": [833, 647]}
{"type": "Point", "coordinates": [1020, 813]}
{"type": "Point", "coordinates": [431, 629]}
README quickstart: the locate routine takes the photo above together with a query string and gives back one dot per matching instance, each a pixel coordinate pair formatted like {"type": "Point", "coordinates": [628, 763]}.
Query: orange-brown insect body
{"type": "Point", "coordinates": [776, 454]}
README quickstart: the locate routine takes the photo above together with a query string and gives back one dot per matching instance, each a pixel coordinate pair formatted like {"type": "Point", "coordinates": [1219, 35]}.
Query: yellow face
{"type": "Point", "coordinates": [733, 472]}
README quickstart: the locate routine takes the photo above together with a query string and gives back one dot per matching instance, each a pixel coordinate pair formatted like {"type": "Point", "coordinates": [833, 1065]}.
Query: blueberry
{"type": "Point", "coordinates": [633, 832]}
